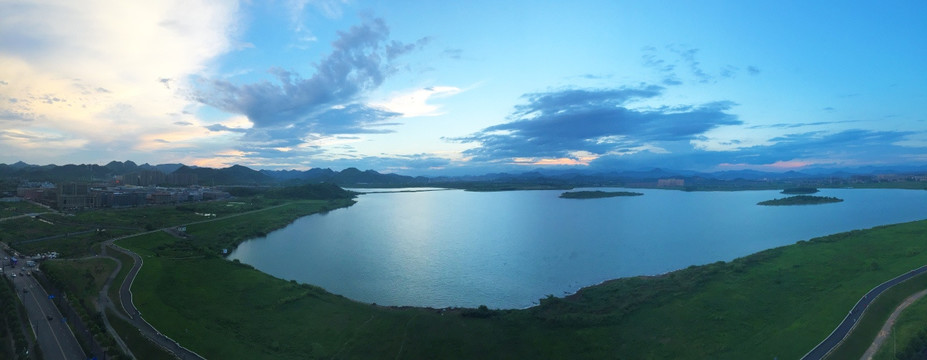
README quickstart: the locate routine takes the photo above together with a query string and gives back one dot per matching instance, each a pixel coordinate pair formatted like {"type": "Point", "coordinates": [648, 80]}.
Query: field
{"type": "Point", "coordinates": [776, 303]}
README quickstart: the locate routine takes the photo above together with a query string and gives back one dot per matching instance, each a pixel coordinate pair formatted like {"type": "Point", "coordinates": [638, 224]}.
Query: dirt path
{"type": "Point", "coordinates": [887, 328]}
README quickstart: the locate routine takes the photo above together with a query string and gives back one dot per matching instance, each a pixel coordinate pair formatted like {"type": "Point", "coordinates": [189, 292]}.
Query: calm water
{"type": "Point", "coordinates": [508, 249]}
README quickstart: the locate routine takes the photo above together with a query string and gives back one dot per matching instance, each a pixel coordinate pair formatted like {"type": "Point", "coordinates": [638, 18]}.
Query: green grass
{"type": "Point", "coordinates": [140, 346]}
{"type": "Point", "coordinates": [855, 345]}
{"type": "Point", "coordinates": [777, 303]}
{"type": "Point", "coordinates": [911, 325]}
{"type": "Point", "coordinates": [10, 209]}
{"type": "Point", "coordinates": [82, 280]}
{"type": "Point", "coordinates": [116, 222]}
{"type": "Point", "coordinates": [127, 264]}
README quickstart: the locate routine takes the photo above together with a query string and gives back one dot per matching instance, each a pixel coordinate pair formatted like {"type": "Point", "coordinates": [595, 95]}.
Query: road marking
{"type": "Point", "coordinates": [44, 315]}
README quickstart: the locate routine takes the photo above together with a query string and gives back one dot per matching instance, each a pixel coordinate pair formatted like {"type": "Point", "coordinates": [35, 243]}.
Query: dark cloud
{"type": "Point", "coordinates": [50, 99]}
{"type": "Point", "coordinates": [753, 70]}
{"type": "Point", "coordinates": [220, 127]}
{"type": "Point", "coordinates": [359, 62]}
{"type": "Point", "coordinates": [851, 147]}
{"type": "Point", "coordinates": [10, 115]}
{"type": "Point", "coordinates": [352, 119]}
{"type": "Point", "coordinates": [554, 124]}
{"type": "Point", "coordinates": [183, 123]}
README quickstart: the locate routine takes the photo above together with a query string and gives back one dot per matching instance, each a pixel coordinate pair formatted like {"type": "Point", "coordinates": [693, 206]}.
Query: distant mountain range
{"type": "Point", "coordinates": [241, 175]}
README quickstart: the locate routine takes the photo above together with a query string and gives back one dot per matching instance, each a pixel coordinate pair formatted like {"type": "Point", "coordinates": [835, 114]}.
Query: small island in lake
{"type": "Point", "coordinates": [596, 194]}
{"type": "Point", "coordinates": [800, 190]}
{"type": "Point", "coordinates": [801, 200]}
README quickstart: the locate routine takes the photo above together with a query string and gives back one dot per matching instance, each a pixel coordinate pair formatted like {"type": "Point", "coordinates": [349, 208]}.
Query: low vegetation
{"type": "Point", "coordinates": [855, 345]}
{"type": "Point", "coordinates": [908, 340]}
{"type": "Point", "coordinates": [82, 281]}
{"type": "Point", "coordinates": [800, 200]}
{"type": "Point", "coordinates": [596, 194]}
{"type": "Point", "coordinates": [13, 343]}
{"type": "Point", "coordinates": [776, 303]}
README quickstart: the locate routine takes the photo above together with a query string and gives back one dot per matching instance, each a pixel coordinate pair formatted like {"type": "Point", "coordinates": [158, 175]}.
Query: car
{"type": "Point", "coordinates": [49, 318]}
{"type": "Point", "coordinates": [14, 275]}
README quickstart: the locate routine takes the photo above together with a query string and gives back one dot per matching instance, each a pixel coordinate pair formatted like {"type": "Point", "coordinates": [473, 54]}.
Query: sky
{"type": "Point", "coordinates": [434, 87]}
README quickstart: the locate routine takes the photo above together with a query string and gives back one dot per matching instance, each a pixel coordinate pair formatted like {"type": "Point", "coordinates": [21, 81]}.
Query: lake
{"type": "Point", "coordinates": [509, 249]}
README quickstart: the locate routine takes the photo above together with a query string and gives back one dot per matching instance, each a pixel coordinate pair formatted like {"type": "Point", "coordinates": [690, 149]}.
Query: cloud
{"type": "Point", "coordinates": [753, 70]}
{"type": "Point", "coordinates": [798, 125]}
{"type": "Point", "coordinates": [414, 103]}
{"type": "Point", "coordinates": [854, 147]}
{"type": "Point", "coordinates": [688, 57]}
{"type": "Point", "coordinates": [359, 63]}
{"type": "Point", "coordinates": [220, 127]}
{"type": "Point", "coordinates": [455, 54]}
{"type": "Point", "coordinates": [562, 124]}
{"type": "Point", "coordinates": [78, 67]}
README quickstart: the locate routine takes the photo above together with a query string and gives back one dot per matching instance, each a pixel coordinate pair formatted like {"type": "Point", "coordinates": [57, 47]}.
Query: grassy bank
{"type": "Point", "coordinates": [780, 302]}
{"type": "Point", "coordinates": [909, 334]}
{"type": "Point", "coordinates": [855, 345]}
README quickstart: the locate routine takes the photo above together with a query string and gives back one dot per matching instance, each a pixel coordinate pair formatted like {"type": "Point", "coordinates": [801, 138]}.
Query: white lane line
{"type": "Point", "coordinates": [49, 325]}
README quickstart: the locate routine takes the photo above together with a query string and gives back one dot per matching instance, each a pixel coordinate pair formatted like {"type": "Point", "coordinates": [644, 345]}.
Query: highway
{"type": "Point", "coordinates": [842, 330]}
{"type": "Point", "coordinates": [52, 333]}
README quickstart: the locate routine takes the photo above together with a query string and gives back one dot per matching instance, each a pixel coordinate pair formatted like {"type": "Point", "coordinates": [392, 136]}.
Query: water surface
{"type": "Point", "coordinates": [508, 249]}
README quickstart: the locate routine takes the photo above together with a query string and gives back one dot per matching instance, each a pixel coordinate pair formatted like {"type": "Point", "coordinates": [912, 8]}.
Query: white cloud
{"type": "Point", "coordinates": [105, 72]}
{"type": "Point", "coordinates": [414, 103]}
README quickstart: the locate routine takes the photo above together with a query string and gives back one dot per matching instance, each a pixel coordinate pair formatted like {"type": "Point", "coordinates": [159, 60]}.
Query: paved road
{"type": "Point", "coordinates": [53, 335]}
{"type": "Point", "coordinates": [135, 318]}
{"type": "Point", "coordinates": [842, 330]}
{"type": "Point", "coordinates": [125, 291]}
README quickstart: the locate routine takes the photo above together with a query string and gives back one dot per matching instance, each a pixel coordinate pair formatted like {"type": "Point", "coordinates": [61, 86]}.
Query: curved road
{"type": "Point", "coordinates": [125, 292]}
{"type": "Point", "coordinates": [835, 337]}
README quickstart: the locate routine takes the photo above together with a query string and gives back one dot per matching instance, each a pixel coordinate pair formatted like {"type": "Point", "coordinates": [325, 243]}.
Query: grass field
{"type": "Point", "coordinates": [776, 303]}
{"type": "Point", "coordinates": [855, 345]}
{"type": "Point", "coordinates": [910, 327]}
{"type": "Point", "coordinates": [140, 346]}
{"type": "Point", "coordinates": [75, 235]}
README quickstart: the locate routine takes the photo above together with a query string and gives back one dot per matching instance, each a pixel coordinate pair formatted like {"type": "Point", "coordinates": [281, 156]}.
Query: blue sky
{"type": "Point", "coordinates": [471, 87]}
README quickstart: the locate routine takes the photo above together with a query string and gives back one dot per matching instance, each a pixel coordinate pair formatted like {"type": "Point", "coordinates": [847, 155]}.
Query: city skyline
{"type": "Point", "coordinates": [430, 89]}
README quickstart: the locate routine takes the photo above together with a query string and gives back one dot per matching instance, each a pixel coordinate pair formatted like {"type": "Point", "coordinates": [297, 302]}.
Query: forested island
{"type": "Point", "coordinates": [801, 200]}
{"type": "Point", "coordinates": [596, 194]}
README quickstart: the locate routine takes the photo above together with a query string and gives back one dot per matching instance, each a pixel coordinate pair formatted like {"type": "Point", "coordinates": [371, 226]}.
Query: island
{"type": "Point", "coordinates": [800, 200]}
{"type": "Point", "coordinates": [800, 190]}
{"type": "Point", "coordinates": [596, 194]}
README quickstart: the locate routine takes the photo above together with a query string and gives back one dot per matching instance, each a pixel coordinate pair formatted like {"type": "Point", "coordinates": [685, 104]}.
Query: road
{"type": "Point", "coordinates": [135, 318]}
{"type": "Point", "coordinates": [56, 339]}
{"type": "Point", "coordinates": [52, 333]}
{"type": "Point", "coordinates": [842, 330]}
